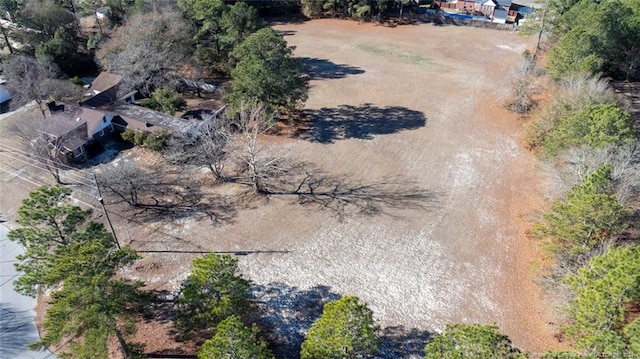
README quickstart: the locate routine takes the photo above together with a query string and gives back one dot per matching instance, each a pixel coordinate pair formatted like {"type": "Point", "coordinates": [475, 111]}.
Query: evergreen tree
{"type": "Point", "coordinates": [233, 340]}
{"type": "Point", "coordinates": [585, 219]}
{"type": "Point", "coordinates": [266, 72]}
{"type": "Point", "coordinates": [603, 289]}
{"type": "Point", "coordinates": [49, 223]}
{"type": "Point", "coordinates": [462, 341]}
{"type": "Point", "coordinates": [213, 291]}
{"type": "Point", "coordinates": [345, 330]}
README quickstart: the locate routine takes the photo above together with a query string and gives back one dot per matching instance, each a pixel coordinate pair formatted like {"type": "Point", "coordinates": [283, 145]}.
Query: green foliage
{"type": "Point", "coordinates": [90, 307]}
{"type": "Point", "coordinates": [154, 141]}
{"type": "Point", "coordinates": [462, 341]}
{"type": "Point", "coordinates": [585, 219]}
{"type": "Point", "coordinates": [62, 49]}
{"type": "Point", "coordinates": [345, 330]}
{"type": "Point", "coordinates": [213, 291]}
{"type": "Point", "coordinates": [600, 37]}
{"type": "Point", "coordinates": [267, 72]}
{"type": "Point", "coordinates": [595, 126]}
{"type": "Point", "coordinates": [571, 97]}
{"type": "Point", "coordinates": [357, 9]}
{"type": "Point", "coordinates": [561, 355]}
{"type": "Point", "coordinates": [219, 28]}
{"type": "Point", "coordinates": [233, 340]}
{"type": "Point", "coordinates": [603, 290]}
{"type": "Point", "coordinates": [167, 101]}
{"type": "Point", "coordinates": [78, 258]}
{"type": "Point", "coordinates": [45, 16]}
{"type": "Point", "coordinates": [47, 222]}
{"type": "Point", "coordinates": [77, 81]}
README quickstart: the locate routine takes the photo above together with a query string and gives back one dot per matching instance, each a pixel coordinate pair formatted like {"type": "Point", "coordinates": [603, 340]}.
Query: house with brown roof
{"type": "Point", "coordinates": [103, 90]}
{"type": "Point", "coordinates": [71, 128]}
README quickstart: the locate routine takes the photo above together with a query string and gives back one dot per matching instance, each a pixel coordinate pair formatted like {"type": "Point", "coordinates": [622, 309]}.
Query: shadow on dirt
{"type": "Point", "coordinates": [157, 194]}
{"type": "Point", "coordinates": [286, 312]}
{"type": "Point", "coordinates": [363, 122]}
{"type": "Point", "coordinates": [344, 195]}
{"type": "Point", "coordinates": [322, 69]}
{"type": "Point", "coordinates": [398, 342]}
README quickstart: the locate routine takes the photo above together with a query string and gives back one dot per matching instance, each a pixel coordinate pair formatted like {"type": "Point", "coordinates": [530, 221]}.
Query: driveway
{"type": "Point", "coordinates": [17, 328]}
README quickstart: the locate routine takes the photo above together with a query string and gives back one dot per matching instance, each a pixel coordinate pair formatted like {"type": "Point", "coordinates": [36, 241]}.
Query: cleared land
{"type": "Point", "coordinates": [421, 199]}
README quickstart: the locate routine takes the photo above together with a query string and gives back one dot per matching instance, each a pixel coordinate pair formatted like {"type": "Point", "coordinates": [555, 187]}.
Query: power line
{"type": "Point", "coordinates": [29, 154]}
{"type": "Point", "coordinates": [30, 160]}
{"type": "Point", "coordinates": [43, 168]}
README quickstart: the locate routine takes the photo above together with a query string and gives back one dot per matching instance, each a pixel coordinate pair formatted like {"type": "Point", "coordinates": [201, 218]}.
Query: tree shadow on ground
{"type": "Point", "coordinates": [187, 204]}
{"type": "Point", "coordinates": [346, 196]}
{"type": "Point", "coordinates": [17, 331]}
{"type": "Point", "coordinates": [362, 122]}
{"type": "Point", "coordinates": [286, 312]}
{"type": "Point", "coordinates": [398, 342]}
{"type": "Point", "coordinates": [322, 69]}
{"type": "Point", "coordinates": [159, 194]}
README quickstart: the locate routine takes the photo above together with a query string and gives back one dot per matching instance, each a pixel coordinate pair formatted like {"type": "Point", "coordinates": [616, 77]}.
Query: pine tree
{"type": "Point", "coordinates": [234, 340]}
{"type": "Point", "coordinates": [462, 341]}
{"type": "Point", "coordinates": [603, 289]}
{"type": "Point", "coordinates": [213, 291]}
{"type": "Point", "coordinates": [345, 330]}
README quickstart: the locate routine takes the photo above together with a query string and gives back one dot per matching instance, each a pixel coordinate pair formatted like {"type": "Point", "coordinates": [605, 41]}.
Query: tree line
{"type": "Point", "coordinates": [587, 139]}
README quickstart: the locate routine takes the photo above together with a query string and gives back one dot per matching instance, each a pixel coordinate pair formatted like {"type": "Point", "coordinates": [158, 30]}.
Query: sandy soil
{"type": "Point", "coordinates": [424, 195]}
{"type": "Point", "coordinates": [416, 109]}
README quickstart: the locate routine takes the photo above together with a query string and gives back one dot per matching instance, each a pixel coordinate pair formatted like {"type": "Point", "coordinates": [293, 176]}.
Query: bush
{"type": "Point", "coordinates": [572, 95]}
{"type": "Point", "coordinates": [77, 81]}
{"type": "Point", "coordinates": [166, 101]}
{"type": "Point", "coordinates": [595, 126]}
{"type": "Point", "coordinates": [156, 141]}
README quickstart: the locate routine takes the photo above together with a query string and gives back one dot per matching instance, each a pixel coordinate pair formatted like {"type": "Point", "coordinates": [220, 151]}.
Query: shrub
{"type": "Point", "coordinates": [77, 81]}
{"type": "Point", "coordinates": [156, 141]}
{"type": "Point", "coordinates": [595, 126]}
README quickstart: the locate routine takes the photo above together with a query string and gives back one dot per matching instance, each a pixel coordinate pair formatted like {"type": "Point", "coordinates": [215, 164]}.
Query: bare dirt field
{"type": "Point", "coordinates": [423, 194]}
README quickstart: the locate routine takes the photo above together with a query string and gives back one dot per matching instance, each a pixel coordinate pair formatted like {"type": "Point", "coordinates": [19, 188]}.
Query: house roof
{"type": "Point", "coordinates": [61, 123]}
{"type": "Point", "coordinates": [105, 81]}
{"type": "Point", "coordinates": [500, 14]}
{"type": "Point", "coordinates": [65, 121]}
{"type": "Point", "coordinates": [150, 117]}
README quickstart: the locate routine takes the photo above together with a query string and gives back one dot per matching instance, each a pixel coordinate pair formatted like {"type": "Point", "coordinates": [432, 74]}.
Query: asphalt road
{"type": "Point", "coordinates": [17, 328]}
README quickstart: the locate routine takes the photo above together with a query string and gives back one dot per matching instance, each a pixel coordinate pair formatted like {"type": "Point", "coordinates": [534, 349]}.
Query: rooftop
{"type": "Point", "coordinates": [152, 117]}
{"type": "Point", "coordinates": [105, 81]}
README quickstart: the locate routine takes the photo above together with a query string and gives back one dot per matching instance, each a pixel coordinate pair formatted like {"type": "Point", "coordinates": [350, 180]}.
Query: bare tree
{"type": "Point", "coordinates": [256, 164]}
{"type": "Point", "coordinates": [128, 182]}
{"type": "Point", "coordinates": [576, 163]}
{"type": "Point", "coordinates": [147, 50]}
{"type": "Point", "coordinates": [46, 141]}
{"type": "Point", "coordinates": [206, 147]}
{"type": "Point", "coordinates": [523, 83]}
{"type": "Point", "coordinates": [30, 79]}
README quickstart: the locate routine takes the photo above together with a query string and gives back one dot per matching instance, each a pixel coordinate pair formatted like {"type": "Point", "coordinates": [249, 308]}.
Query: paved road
{"type": "Point", "coordinates": [16, 311]}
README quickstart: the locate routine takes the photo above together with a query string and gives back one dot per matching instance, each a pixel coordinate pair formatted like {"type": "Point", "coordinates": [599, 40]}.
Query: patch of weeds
{"type": "Point", "coordinates": [409, 57]}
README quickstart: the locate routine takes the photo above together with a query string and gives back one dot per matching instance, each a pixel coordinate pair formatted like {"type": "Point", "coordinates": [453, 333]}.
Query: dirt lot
{"type": "Point", "coordinates": [432, 194]}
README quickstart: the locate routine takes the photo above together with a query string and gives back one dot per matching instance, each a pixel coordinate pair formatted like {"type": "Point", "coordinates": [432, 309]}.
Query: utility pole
{"type": "Point", "coordinates": [101, 200]}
